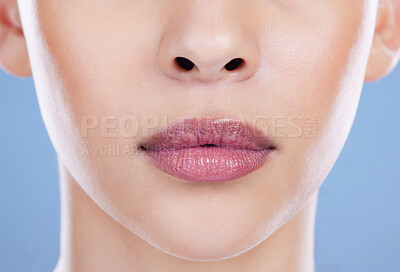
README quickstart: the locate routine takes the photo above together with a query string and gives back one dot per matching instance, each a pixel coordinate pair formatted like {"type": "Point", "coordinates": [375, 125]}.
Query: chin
{"type": "Point", "coordinates": [207, 246]}
{"type": "Point", "coordinates": [207, 234]}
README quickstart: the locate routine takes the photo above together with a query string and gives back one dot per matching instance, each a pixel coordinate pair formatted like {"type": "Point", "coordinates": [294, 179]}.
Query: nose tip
{"type": "Point", "coordinates": [208, 57]}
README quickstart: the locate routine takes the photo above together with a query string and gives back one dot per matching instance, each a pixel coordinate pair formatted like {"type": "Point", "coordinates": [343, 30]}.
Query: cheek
{"type": "Point", "coordinates": [101, 62]}
{"type": "Point", "coordinates": [315, 75]}
{"type": "Point", "coordinates": [79, 60]}
{"type": "Point", "coordinates": [100, 66]}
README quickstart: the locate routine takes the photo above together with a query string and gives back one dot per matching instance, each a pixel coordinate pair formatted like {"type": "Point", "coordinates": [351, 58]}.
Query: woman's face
{"type": "Point", "coordinates": [106, 80]}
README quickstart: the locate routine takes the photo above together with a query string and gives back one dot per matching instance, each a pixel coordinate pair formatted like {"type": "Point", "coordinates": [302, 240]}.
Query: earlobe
{"type": "Point", "coordinates": [14, 57]}
{"type": "Point", "coordinates": [385, 50]}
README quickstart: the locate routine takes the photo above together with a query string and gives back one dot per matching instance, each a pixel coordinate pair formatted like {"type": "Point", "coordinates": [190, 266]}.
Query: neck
{"type": "Point", "coordinates": [93, 241]}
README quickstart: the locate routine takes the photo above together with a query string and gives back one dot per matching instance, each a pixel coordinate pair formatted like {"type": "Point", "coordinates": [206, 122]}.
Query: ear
{"type": "Point", "coordinates": [13, 51]}
{"type": "Point", "coordinates": [385, 50]}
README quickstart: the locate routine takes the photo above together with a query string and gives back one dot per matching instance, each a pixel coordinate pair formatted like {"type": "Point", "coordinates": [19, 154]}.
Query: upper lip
{"type": "Point", "coordinates": [224, 132]}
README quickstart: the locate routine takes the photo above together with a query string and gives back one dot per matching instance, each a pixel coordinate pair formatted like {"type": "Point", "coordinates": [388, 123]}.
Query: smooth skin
{"type": "Point", "coordinates": [91, 59]}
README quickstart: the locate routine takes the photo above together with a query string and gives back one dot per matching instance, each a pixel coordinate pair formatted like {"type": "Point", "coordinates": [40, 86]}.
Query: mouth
{"type": "Point", "coordinates": [208, 150]}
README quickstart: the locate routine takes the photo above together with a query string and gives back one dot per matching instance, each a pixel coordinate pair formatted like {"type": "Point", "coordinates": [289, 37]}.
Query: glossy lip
{"type": "Point", "coordinates": [208, 149]}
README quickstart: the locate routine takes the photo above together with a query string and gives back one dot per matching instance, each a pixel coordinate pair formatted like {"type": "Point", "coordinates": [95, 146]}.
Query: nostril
{"type": "Point", "coordinates": [233, 64]}
{"type": "Point", "coordinates": [184, 63]}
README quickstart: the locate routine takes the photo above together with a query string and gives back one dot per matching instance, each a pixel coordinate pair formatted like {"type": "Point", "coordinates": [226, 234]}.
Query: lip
{"type": "Point", "coordinates": [208, 149]}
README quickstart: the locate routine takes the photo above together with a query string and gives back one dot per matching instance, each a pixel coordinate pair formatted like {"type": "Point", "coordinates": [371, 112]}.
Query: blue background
{"type": "Point", "coordinates": [358, 219]}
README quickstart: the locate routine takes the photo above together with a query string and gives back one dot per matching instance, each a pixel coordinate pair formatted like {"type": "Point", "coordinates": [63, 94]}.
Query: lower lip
{"type": "Point", "coordinates": [206, 164]}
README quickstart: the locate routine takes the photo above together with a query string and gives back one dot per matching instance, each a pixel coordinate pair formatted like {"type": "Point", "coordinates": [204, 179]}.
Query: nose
{"type": "Point", "coordinates": [208, 43]}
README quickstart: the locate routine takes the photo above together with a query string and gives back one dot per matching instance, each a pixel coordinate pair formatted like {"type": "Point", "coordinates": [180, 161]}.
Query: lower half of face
{"type": "Point", "coordinates": [106, 79]}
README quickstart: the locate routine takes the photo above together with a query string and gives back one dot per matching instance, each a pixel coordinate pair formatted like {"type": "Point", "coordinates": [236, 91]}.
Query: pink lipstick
{"type": "Point", "coordinates": [206, 150]}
